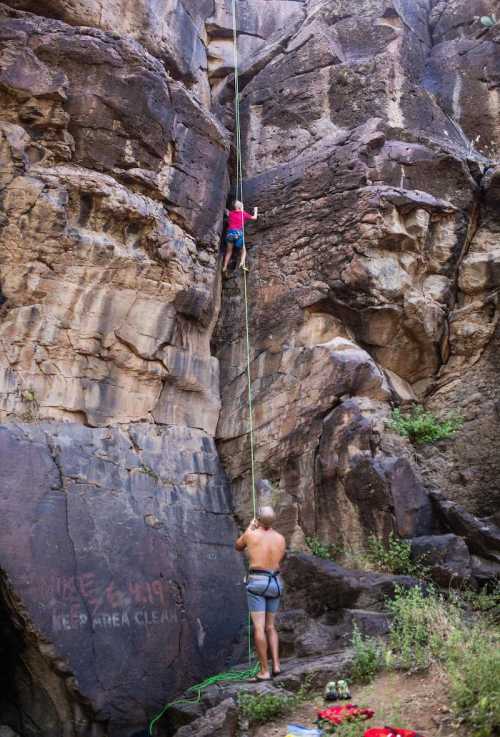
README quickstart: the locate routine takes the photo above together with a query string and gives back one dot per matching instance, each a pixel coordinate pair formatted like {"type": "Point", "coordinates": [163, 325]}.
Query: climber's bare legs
{"type": "Point", "coordinates": [227, 257]}
{"type": "Point", "coordinates": [260, 639]}
{"type": "Point", "coordinates": [273, 641]}
{"type": "Point", "coordinates": [243, 259]}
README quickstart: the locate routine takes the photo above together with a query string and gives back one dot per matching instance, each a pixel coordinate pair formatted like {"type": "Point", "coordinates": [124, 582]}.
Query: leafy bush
{"type": "Point", "coordinates": [320, 549]}
{"type": "Point", "coordinates": [368, 657]}
{"type": "Point", "coordinates": [357, 728]}
{"type": "Point", "coordinates": [420, 627]}
{"type": "Point", "coordinates": [473, 663]}
{"type": "Point", "coordinates": [421, 426]}
{"type": "Point", "coordinates": [486, 601]}
{"type": "Point", "coordinates": [394, 556]}
{"type": "Point", "coordinates": [353, 728]}
{"type": "Point", "coordinates": [430, 628]}
{"type": "Point", "coordinates": [259, 708]}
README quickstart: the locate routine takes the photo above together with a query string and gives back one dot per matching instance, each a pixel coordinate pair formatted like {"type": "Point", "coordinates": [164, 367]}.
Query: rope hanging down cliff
{"type": "Point", "coordinates": [239, 195]}
{"type": "Point", "coordinates": [231, 676]}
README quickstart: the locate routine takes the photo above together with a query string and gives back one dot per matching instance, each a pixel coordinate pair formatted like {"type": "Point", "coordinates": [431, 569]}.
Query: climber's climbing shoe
{"type": "Point", "coordinates": [331, 691]}
{"type": "Point", "coordinates": [343, 690]}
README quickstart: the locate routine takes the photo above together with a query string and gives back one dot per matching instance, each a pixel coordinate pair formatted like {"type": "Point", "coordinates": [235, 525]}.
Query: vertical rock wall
{"type": "Point", "coordinates": [374, 279]}
{"type": "Point", "coordinates": [116, 552]}
{"type": "Point", "coordinates": [373, 272]}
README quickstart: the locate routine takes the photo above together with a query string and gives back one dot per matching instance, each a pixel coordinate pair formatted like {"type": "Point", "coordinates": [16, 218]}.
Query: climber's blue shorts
{"type": "Point", "coordinates": [264, 589]}
{"type": "Point", "coordinates": [235, 238]}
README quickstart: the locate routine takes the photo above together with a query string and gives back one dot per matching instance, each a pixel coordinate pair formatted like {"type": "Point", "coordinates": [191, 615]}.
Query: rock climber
{"type": "Point", "coordinates": [265, 548]}
{"type": "Point", "coordinates": [236, 219]}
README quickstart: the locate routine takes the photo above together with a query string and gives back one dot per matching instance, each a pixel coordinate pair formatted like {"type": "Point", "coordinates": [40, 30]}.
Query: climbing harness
{"type": "Point", "coordinates": [271, 576]}
{"type": "Point", "coordinates": [252, 670]}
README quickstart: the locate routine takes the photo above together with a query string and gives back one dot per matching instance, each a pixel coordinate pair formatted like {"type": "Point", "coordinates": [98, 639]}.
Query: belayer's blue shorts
{"type": "Point", "coordinates": [264, 589]}
{"type": "Point", "coordinates": [235, 237]}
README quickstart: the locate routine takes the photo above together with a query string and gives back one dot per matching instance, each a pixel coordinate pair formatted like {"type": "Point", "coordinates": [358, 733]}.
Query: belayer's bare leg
{"type": "Point", "coordinates": [273, 641]}
{"type": "Point", "coordinates": [227, 257]}
{"type": "Point", "coordinates": [259, 633]}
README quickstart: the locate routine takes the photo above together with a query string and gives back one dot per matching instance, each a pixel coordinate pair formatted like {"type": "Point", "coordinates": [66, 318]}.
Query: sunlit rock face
{"type": "Point", "coordinates": [374, 279]}
{"type": "Point", "coordinates": [113, 178]}
{"type": "Point", "coordinates": [377, 244]}
{"type": "Point", "coordinates": [110, 231]}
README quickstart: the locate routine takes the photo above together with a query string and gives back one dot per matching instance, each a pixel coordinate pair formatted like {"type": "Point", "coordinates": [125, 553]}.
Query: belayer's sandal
{"type": "Point", "coordinates": [258, 679]}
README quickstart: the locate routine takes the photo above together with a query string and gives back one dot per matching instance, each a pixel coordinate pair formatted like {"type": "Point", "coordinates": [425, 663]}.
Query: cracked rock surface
{"type": "Point", "coordinates": [375, 270]}
{"type": "Point", "coordinates": [113, 541]}
{"type": "Point", "coordinates": [376, 256]}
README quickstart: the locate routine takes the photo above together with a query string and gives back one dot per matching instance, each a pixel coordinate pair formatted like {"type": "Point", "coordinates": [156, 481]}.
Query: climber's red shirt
{"type": "Point", "coordinates": [236, 219]}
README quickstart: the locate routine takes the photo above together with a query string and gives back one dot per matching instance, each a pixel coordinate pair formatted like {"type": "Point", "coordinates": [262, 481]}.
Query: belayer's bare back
{"type": "Point", "coordinates": [265, 548]}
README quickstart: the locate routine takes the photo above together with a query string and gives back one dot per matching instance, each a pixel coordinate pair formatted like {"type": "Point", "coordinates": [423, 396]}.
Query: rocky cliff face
{"type": "Point", "coordinates": [374, 279]}
{"type": "Point", "coordinates": [373, 273]}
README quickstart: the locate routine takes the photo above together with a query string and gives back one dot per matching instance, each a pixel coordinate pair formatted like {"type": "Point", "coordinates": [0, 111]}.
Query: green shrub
{"type": "Point", "coordinates": [421, 426]}
{"type": "Point", "coordinates": [473, 664]}
{"type": "Point", "coordinates": [394, 556]}
{"type": "Point", "coordinates": [320, 549]}
{"type": "Point", "coordinates": [368, 657]}
{"type": "Point", "coordinates": [486, 601]}
{"type": "Point", "coordinates": [259, 708]}
{"type": "Point", "coordinates": [431, 628]}
{"type": "Point", "coordinates": [421, 625]}
{"type": "Point", "coordinates": [354, 728]}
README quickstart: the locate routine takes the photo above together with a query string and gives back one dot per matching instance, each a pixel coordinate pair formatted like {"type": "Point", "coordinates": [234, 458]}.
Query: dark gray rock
{"type": "Point", "coordinates": [318, 670]}
{"type": "Point", "coordinates": [370, 624]}
{"type": "Point", "coordinates": [352, 471]}
{"type": "Point", "coordinates": [485, 571]}
{"type": "Point", "coordinates": [219, 721]}
{"type": "Point", "coordinates": [310, 636]}
{"type": "Point", "coordinates": [113, 542]}
{"type": "Point", "coordinates": [302, 636]}
{"type": "Point", "coordinates": [321, 587]}
{"type": "Point", "coordinates": [447, 557]}
{"type": "Point", "coordinates": [482, 536]}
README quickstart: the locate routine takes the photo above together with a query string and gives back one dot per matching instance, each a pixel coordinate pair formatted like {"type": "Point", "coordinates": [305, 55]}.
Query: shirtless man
{"type": "Point", "coordinates": [265, 549]}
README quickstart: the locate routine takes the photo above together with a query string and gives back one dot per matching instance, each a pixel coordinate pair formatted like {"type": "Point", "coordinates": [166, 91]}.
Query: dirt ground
{"type": "Point", "coordinates": [416, 702]}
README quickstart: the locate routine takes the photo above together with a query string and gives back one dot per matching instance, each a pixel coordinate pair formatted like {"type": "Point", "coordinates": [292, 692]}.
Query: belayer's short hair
{"type": "Point", "coordinates": [266, 516]}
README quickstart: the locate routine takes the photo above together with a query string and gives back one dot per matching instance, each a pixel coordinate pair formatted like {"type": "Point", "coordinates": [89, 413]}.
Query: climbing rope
{"type": "Point", "coordinates": [234, 675]}
{"type": "Point", "coordinates": [239, 195]}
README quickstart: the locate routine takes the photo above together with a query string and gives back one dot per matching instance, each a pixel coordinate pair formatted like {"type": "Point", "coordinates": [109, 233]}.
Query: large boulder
{"type": "Point", "coordinates": [446, 556]}
{"type": "Point", "coordinates": [219, 721]}
{"type": "Point", "coordinates": [118, 547]}
{"type": "Point", "coordinates": [321, 587]}
{"type": "Point", "coordinates": [485, 571]}
{"type": "Point", "coordinates": [482, 536]}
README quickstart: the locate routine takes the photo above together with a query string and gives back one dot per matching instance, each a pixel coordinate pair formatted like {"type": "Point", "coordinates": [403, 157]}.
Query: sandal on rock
{"type": "Point", "coordinates": [259, 679]}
